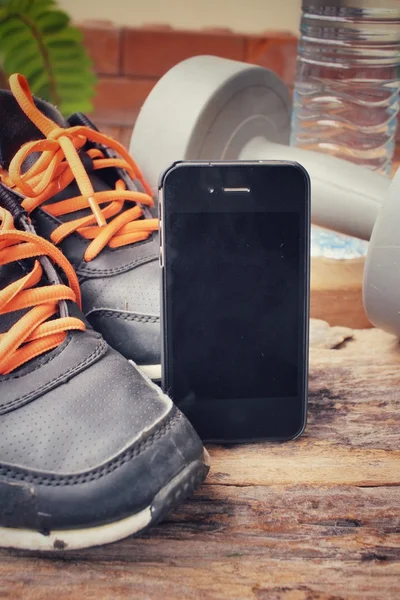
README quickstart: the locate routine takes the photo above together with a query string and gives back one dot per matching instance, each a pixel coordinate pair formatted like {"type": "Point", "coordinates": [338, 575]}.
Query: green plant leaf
{"type": "Point", "coordinates": [9, 28]}
{"type": "Point", "coordinates": [50, 22]}
{"type": "Point", "coordinates": [43, 91]}
{"type": "Point", "coordinates": [64, 59]}
{"type": "Point", "coordinates": [75, 79]}
{"type": "Point", "coordinates": [26, 6]}
{"type": "Point", "coordinates": [38, 81]}
{"type": "Point", "coordinates": [37, 6]}
{"type": "Point", "coordinates": [64, 37]}
{"type": "Point", "coordinates": [37, 40]}
{"type": "Point", "coordinates": [19, 43]}
{"type": "Point", "coordinates": [30, 63]}
{"type": "Point", "coordinates": [19, 5]}
{"type": "Point", "coordinates": [67, 108]}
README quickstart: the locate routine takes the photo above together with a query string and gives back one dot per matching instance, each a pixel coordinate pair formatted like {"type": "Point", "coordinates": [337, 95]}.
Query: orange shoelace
{"type": "Point", "coordinates": [59, 164]}
{"type": "Point", "coordinates": [37, 331]}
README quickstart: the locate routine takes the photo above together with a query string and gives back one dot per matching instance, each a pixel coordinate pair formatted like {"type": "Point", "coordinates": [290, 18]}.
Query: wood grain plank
{"type": "Point", "coordinates": [336, 291]}
{"type": "Point", "coordinates": [306, 463]}
{"type": "Point", "coordinates": [313, 519]}
{"type": "Point", "coordinates": [237, 579]}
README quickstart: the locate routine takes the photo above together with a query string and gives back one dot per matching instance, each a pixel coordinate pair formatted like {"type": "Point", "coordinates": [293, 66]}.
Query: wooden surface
{"type": "Point", "coordinates": [313, 519]}
{"type": "Point", "coordinates": [336, 292]}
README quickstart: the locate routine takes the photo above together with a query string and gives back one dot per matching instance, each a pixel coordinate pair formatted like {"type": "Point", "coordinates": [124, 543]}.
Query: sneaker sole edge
{"type": "Point", "coordinates": [170, 496]}
{"type": "Point", "coordinates": [152, 371]}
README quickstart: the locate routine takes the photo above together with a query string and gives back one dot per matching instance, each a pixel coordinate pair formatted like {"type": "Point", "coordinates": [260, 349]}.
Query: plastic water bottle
{"type": "Point", "coordinates": [346, 96]}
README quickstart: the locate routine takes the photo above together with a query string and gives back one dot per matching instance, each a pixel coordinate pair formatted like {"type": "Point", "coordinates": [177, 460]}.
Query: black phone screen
{"type": "Point", "coordinates": [236, 298]}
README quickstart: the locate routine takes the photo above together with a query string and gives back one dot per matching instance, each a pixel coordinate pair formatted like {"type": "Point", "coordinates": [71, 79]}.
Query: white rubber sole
{"type": "Point", "coordinates": [74, 539]}
{"type": "Point", "coordinates": [171, 495]}
{"type": "Point", "coordinates": [152, 371]}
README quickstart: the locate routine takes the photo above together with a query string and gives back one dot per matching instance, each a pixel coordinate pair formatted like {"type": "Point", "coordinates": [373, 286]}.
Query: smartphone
{"type": "Point", "coordinates": [234, 252]}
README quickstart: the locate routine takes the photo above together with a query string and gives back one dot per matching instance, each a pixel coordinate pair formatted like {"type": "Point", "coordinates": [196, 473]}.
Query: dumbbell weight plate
{"type": "Point", "coordinates": [208, 108]}
{"type": "Point", "coordinates": [381, 275]}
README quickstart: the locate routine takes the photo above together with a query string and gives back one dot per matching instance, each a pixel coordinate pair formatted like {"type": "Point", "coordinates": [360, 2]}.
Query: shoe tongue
{"type": "Point", "coordinates": [17, 128]}
{"type": "Point", "coordinates": [15, 270]}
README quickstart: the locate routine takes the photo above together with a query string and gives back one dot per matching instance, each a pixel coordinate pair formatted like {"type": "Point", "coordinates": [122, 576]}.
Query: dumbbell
{"type": "Point", "coordinates": [210, 108]}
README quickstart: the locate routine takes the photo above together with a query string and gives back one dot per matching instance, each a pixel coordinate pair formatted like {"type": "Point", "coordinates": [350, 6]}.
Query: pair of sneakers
{"type": "Point", "coordinates": [91, 450]}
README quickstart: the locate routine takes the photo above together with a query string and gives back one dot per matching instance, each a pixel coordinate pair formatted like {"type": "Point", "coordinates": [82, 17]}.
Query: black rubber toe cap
{"type": "Point", "coordinates": [86, 439]}
{"type": "Point", "coordinates": [115, 490]}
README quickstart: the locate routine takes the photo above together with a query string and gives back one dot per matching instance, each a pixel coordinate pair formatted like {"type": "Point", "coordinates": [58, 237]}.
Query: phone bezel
{"type": "Point", "coordinates": [165, 333]}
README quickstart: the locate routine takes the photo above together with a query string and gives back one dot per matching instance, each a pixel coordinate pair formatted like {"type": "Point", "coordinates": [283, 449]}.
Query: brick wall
{"type": "Point", "coordinates": [129, 62]}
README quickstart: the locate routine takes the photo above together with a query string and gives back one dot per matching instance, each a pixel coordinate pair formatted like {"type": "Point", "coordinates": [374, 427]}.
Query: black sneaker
{"type": "Point", "coordinates": [84, 192]}
{"type": "Point", "coordinates": [91, 451]}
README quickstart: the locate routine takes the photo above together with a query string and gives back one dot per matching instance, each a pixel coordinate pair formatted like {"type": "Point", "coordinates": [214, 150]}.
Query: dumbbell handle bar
{"type": "Point", "coordinates": [344, 197]}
